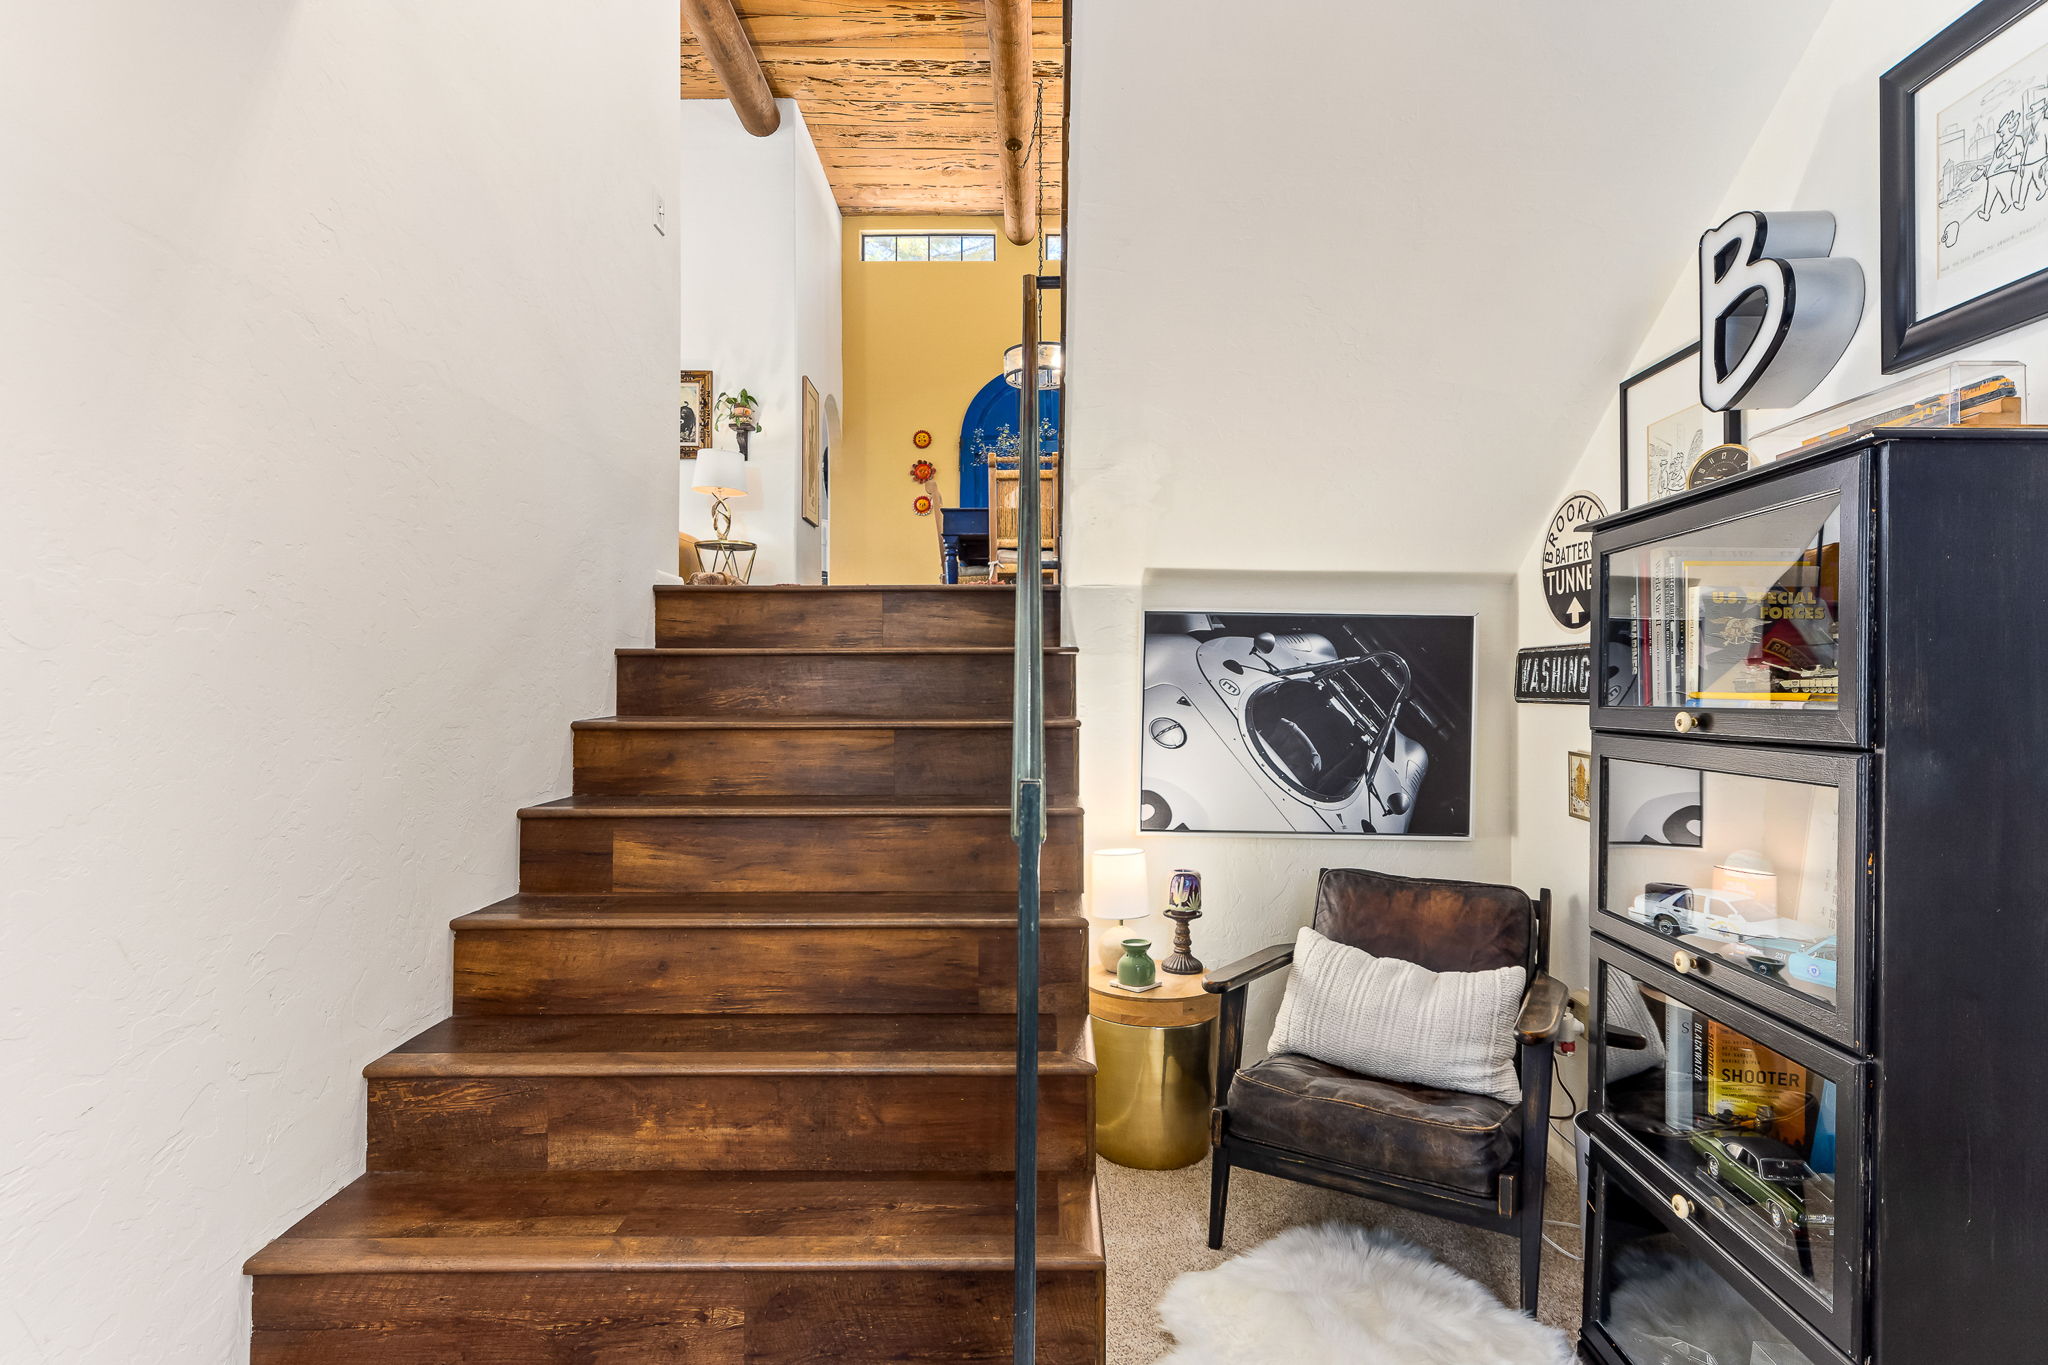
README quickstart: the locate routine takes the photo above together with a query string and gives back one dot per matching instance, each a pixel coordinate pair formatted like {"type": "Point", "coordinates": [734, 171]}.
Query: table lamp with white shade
{"type": "Point", "coordinates": [723, 474]}
{"type": "Point", "coordinates": [1746, 872]}
{"type": "Point", "coordinates": [1116, 896]}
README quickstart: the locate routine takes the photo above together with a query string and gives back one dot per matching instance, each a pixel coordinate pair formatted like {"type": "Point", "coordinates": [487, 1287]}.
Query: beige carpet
{"type": "Point", "coordinates": [1155, 1225]}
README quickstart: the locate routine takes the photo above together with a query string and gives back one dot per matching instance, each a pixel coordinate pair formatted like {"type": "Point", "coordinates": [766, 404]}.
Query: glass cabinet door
{"type": "Point", "coordinates": [1661, 1298]}
{"type": "Point", "coordinates": [1748, 626]}
{"type": "Point", "coordinates": [1754, 1130]}
{"type": "Point", "coordinates": [1740, 867]}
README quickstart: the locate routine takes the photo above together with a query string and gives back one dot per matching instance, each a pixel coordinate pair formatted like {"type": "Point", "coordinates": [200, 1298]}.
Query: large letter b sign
{"type": "Point", "coordinates": [1776, 311]}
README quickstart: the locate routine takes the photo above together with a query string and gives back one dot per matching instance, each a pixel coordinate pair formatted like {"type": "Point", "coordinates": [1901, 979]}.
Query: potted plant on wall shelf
{"type": "Point", "coordinates": [736, 410]}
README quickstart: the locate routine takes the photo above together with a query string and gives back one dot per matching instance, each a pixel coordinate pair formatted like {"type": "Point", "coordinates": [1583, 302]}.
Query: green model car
{"type": "Point", "coordinates": [1765, 1171]}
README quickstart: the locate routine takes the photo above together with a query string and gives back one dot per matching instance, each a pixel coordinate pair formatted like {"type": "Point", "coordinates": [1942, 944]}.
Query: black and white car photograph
{"type": "Point", "coordinates": [1277, 723]}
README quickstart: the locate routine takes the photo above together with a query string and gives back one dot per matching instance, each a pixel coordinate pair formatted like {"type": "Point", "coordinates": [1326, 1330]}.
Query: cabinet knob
{"type": "Point", "coordinates": [1684, 963]}
{"type": "Point", "coordinates": [1681, 1206]}
{"type": "Point", "coordinates": [1685, 722]}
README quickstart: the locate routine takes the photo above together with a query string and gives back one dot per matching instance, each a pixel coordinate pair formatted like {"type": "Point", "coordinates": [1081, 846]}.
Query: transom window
{"type": "Point", "coordinates": [927, 246]}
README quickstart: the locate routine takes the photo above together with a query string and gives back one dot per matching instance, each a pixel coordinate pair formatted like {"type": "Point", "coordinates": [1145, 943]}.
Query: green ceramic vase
{"type": "Point", "coordinates": [1136, 969]}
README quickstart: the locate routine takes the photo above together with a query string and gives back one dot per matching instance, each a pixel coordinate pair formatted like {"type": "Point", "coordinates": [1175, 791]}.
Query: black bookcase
{"type": "Point", "coordinates": [1819, 904]}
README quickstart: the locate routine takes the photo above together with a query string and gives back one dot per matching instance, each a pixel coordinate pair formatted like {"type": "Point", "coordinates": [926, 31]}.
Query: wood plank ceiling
{"type": "Point", "coordinates": [897, 96]}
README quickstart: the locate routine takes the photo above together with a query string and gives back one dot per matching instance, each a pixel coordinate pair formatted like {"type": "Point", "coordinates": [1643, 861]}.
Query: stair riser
{"type": "Point", "coordinates": [637, 1318]}
{"type": "Point", "coordinates": [880, 686]}
{"type": "Point", "coordinates": [841, 620]}
{"type": "Point", "coordinates": [765, 971]}
{"type": "Point", "coordinates": [827, 1121]}
{"type": "Point", "coordinates": [680, 853]}
{"type": "Point", "coordinates": [967, 766]}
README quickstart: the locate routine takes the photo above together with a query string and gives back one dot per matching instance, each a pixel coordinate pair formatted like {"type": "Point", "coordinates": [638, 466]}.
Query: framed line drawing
{"type": "Point", "coordinates": [1963, 173]}
{"type": "Point", "coordinates": [1665, 427]}
{"type": "Point", "coordinates": [694, 430]}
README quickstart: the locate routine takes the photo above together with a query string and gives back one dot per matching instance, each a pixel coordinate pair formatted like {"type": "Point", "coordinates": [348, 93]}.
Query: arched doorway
{"type": "Point", "coordinates": [994, 408]}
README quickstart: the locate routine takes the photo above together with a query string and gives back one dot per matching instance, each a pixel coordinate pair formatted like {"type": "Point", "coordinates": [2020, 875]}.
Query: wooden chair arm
{"type": "Point", "coordinates": [1231, 983]}
{"type": "Point", "coordinates": [1246, 970]}
{"type": "Point", "coordinates": [1542, 1011]}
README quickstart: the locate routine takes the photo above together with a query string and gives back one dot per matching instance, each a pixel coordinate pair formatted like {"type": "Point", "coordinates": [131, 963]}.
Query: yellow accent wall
{"type": "Point", "coordinates": [921, 338]}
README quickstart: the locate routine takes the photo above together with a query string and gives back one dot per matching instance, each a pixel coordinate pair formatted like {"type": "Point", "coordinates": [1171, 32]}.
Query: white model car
{"type": "Point", "coordinates": [1694, 910]}
{"type": "Point", "coordinates": [1762, 940]}
{"type": "Point", "coordinates": [1315, 735]}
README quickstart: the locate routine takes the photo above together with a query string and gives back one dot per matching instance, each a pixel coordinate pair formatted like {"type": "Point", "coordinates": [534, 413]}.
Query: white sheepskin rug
{"type": "Point", "coordinates": [1330, 1294]}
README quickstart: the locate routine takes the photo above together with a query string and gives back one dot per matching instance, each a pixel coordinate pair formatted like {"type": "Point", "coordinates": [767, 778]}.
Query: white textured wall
{"type": "Point", "coordinates": [337, 351]}
{"type": "Point", "coordinates": [760, 291]}
{"type": "Point", "coordinates": [1818, 150]}
{"type": "Point", "coordinates": [1418, 270]}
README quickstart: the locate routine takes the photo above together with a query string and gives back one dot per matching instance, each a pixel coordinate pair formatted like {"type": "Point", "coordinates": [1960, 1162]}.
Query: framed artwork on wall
{"type": "Point", "coordinates": [695, 430]}
{"type": "Point", "coordinates": [1665, 428]}
{"type": "Point", "coordinates": [1277, 722]}
{"type": "Point", "coordinates": [814, 456]}
{"type": "Point", "coordinates": [1578, 785]}
{"type": "Point", "coordinates": [1963, 173]}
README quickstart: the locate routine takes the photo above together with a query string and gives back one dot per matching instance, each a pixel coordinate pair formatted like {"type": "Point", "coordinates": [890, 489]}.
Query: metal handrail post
{"type": "Point", "coordinates": [1027, 826]}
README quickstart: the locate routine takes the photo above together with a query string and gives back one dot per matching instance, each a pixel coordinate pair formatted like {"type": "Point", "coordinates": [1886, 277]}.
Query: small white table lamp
{"type": "Point", "coordinates": [1116, 897]}
{"type": "Point", "coordinates": [723, 474]}
{"type": "Point", "coordinates": [1745, 872]}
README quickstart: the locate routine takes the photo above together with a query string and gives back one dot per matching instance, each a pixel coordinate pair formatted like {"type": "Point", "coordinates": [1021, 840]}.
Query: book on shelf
{"type": "Point", "coordinates": [1759, 631]}
{"type": "Point", "coordinates": [1751, 1086]}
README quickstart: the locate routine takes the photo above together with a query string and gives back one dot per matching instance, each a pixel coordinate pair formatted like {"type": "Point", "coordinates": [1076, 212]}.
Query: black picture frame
{"type": "Point", "coordinates": [1731, 422]}
{"type": "Point", "coordinates": [1907, 338]}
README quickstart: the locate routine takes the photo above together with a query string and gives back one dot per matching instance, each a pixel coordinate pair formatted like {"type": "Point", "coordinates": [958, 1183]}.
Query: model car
{"type": "Point", "coordinates": [1815, 965]}
{"type": "Point", "coordinates": [1696, 910]}
{"type": "Point", "coordinates": [1315, 733]}
{"type": "Point", "coordinates": [1763, 1170]}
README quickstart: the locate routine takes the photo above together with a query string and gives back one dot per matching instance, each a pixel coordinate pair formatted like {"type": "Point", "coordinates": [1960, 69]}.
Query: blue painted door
{"type": "Point", "coordinates": [994, 408]}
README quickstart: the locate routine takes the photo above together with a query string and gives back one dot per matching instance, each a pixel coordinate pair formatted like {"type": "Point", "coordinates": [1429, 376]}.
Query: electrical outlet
{"type": "Point", "coordinates": [660, 216]}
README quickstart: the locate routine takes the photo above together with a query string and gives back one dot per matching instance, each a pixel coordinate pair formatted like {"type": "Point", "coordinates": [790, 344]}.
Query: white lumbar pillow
{"type": "Point", "coordinates": [1395, 1021]}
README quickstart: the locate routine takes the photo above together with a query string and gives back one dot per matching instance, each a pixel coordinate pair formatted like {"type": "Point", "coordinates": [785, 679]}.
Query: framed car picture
{"type": "Point", "coordinates": [694, 433]}
{"type": "Point", "coordinates": [1963, 141]}
{"type": "Point", "coordinates": [1665, 428]}
{"type": "Point", "coordinates": [1274, 722]}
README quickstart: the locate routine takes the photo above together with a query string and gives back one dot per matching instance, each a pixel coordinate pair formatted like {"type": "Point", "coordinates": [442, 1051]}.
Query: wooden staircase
{"type": "Point", "coordinates": [730, 1081]}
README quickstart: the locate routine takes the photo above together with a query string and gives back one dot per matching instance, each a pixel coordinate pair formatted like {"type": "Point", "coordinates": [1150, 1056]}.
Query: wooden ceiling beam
{"type": "Point", "coordinates": [1009, 58]}
{"type": "Point", "coordinates": [724, 40]}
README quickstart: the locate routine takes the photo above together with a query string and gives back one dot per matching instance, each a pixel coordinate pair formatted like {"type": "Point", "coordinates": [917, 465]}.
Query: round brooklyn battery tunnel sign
{"type": "Point", "coordinates": [1568, 561]}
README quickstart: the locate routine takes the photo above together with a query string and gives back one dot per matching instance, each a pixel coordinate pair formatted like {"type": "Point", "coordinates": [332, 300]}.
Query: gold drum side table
{"type": "Point", "coordinates": [1154, 1070]}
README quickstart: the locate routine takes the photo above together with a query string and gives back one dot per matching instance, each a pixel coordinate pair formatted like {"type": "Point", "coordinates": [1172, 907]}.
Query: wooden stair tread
{"type": "Point", "coordinates": [658, 807]}
{"type": "Point", "coordinates": [745, 722]}
{"type": "Point", "coordinates": [755, 651]}
{"type": "Point", "coordinates": [693, 589]}
{"type": "Point", "coordinates": [670, 1045]}
{"type": "Point", "coordinates": [537, 909]}
{"type": "Point", "coordinates": [717, 1033]}
{"type": "Point", "coordinates": [386, 1223]}
{"type": "Point", "coordinates": [769, 911]}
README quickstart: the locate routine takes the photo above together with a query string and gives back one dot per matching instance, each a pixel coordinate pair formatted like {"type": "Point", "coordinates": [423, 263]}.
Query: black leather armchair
{"type": "Point", "coordinates": [1471, 1158]}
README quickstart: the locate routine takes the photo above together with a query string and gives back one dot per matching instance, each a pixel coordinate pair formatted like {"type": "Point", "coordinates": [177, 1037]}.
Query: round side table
{"type": "Point", "coordinates": [1154, 1070]}
{"type": "Point", "coordinates": [723, 556]}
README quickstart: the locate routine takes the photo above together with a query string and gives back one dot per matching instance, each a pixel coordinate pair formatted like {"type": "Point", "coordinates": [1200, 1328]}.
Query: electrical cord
{"type": "Point", "coordinates": [1548, 1240]}
{"type": "Point", "coordinates": [1561, 1085]}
